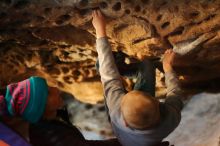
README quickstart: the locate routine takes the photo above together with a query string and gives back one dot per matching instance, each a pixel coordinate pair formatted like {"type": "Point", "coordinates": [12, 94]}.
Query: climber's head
{"type": "Point", "coordinates": [140, 110]}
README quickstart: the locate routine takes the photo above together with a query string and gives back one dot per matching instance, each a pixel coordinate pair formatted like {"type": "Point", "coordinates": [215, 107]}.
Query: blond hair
{"type": "Point", "coordinates": [140, 110]}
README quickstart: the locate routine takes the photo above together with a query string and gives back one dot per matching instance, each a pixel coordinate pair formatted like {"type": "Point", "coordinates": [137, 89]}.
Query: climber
{"type": "Point", "coordinates": [30, 99]}
{"type": "Point", "coordinates": [137, 118]}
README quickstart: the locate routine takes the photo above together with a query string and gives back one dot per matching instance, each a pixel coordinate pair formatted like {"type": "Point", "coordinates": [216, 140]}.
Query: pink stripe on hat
{"type": "Point", "coordinates": [20, 93]}
{"type": "Point", "coordinates": [27, 91]}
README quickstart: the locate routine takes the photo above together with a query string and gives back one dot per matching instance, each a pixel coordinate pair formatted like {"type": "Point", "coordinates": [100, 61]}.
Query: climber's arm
{"type": "Point", "coordinates": [174, 93]}
{"type": "Point", "coordinates": [110, 77]}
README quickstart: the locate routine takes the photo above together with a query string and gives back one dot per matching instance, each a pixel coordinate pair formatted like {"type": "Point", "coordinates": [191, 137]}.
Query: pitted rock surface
{"type": "Point", "coordinates": [55, 39]}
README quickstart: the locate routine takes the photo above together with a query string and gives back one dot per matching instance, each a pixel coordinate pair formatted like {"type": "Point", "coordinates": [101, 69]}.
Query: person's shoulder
{"type": "Point", "coordinates": [117, 121]}
{"type": "Point", "coordinates": [170, 115]}
{"type": "Point", "coordinates": [175, 102]}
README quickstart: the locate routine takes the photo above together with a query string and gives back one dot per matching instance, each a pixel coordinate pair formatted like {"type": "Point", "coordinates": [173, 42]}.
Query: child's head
{"type": "Point", "coordinates": [140, 110]}
{"type": "Point", "coordinates": [32, 99]}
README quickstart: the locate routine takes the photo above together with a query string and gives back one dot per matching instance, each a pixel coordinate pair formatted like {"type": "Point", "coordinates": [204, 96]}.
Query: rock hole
{"type": "Point", "coordinates": [53, 71]}
{"type": "Point", "coordinates": [65, 70]}
{"type": "Point", "coordinates": [144, 12]}
{"type": "Point", "coordinates": [3, 15]}
{"type": "Point", "coordinates": [7, 1]}
{"type": "Point", "coordinates": [210, 17]}
{"type": "Point", "coordinates": [65, 17]}
{"type": "Point", "coordinates": [127, 11]}
{"type": "Point", "coordinates": [88, 106]}
{"type": "Point", "coordinates": [136, 41]}
{"type": "Point", "coordinates": [86, 72]}
{"type": "Point", "coordinates": [187, 2]}
{"type": "Point", "coordinates": [80, 50]}
{"type": "Point", "coordinates": [47, 11]}
{"type": "Point", "coordinates": [117, 6]}
{"type": "Point", "coordinates": [15, 71]}
{"type": "Point", "coordinates": [60, 84]}
{"type": "Point", "coordinates": [18, 57]}
{"type": "Point", "coordinates": [67, 79]}
{"type": "Point", "coordinates": [76, 73]}
{"type": "Point", "coordinates": [128, 1]}
{"type": "Point", "coordinates": [14, 62]}
{"type": "Point", "coordinates": [94, 112]}
{"type": "Point", "coordinates": [101, 109]}
{"type": "Point", "coordinates": [194, 14]}
{"type": "Point", "coordinates": [38, 31]}
{"type": "Point", "coordinates": [177, 31]}
{"type": "Point", "coordinates": [176, 8]}
{"type": "Point", "coordinates": [137, 9]}
{"type": "Point", "coordinates": [19, 23]}
{"type": "Point", "coordinates": [26, 14]}
{"type": "Point", "coordinates": [165, 25]}
{"type": "Point", "coordinates": [145, 1]}
{"type": "Point", "coordinates": [120, 27]}
{"type": "Point", "coordinates": [65, 54]}
{"type": "Point", "coordinates": [62, 19]}
{"type": "Point", "coordinates": [87, 128]}
{"type": "Point", "coordinates": [40, 18]}
{"type": "Point", "coordinates": [84, 12]}
{"type": "Point", "coordinates": [159, 17]}
{"type": "Point", "coordinates": [102, 132]}
{"type": "Point", "coordinates": [20, 4]}
{"type": "Point", "coordinates": [103, 5]}
{"type": "Point", "coordinates": [81, 54]}
{"type": "Point", "coordinates": [63, 46]}
{"type": "Point", "coordinates": [59, 22]}
{"type": "Point", "coordinates": [10, 66]}
{"type": "Point", "coordinates": [83, 3]}
{"type": "Point", "coordinates": [163, 3]}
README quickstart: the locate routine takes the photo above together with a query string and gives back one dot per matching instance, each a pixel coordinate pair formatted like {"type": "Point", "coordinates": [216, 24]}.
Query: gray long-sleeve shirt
{"type": "Point", "coordinates": [114, 90]}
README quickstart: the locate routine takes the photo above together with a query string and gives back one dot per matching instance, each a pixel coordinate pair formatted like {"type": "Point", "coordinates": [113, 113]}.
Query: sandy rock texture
{"type": "Point", "coordinates": [55, 39]}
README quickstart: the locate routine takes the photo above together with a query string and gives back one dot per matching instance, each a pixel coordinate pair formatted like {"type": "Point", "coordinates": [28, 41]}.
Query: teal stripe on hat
{"type": "Point", "coordinates": [38, 100]}
{"type": "Point", "coordinates": [8, 98]}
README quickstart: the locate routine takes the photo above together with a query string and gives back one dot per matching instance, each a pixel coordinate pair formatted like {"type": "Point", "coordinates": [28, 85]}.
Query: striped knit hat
{"type": "Point", "coordinates": [27, 98]}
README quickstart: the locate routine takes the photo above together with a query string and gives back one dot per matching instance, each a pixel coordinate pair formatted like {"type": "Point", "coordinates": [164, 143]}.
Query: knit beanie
{"type": "Point", "coordinates": [27, 98]}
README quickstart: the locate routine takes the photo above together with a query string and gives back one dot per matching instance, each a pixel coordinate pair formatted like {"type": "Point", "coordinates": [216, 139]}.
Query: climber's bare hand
{"type": "Point", "coordinates": [99, 23]}
{"type": "Point", "coordinates": [168, 60]}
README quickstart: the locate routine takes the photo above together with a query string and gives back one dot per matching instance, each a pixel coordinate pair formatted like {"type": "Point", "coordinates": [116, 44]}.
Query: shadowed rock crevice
{"type": "Point", "coordinates": [56, 40]}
